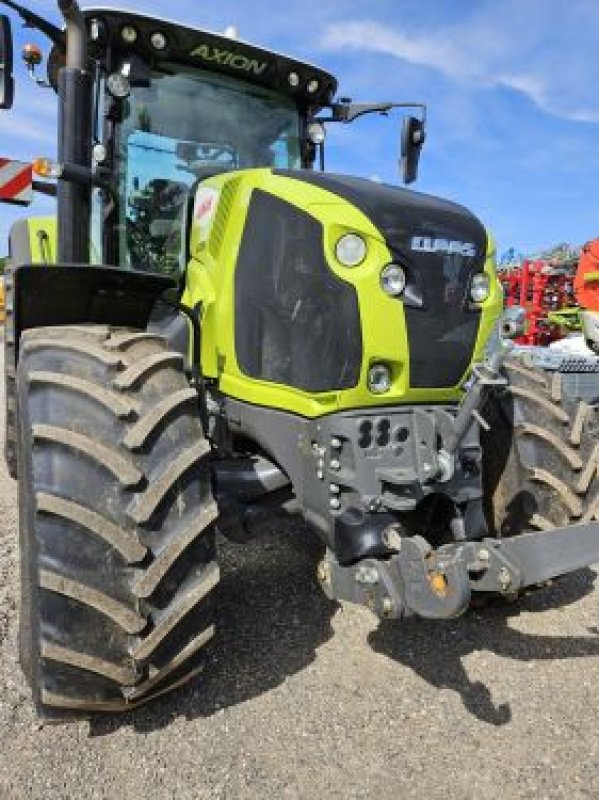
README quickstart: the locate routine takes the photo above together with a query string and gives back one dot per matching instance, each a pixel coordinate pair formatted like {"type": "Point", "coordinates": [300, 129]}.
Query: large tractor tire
{"type": "Point", "coordinates": [116, 520]}
{"type": "Point", "coordinates": [10, 384]}
{"type": "Point", "coordinates": [540, 456]}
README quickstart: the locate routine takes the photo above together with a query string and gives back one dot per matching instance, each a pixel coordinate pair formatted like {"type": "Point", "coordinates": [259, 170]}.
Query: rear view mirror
{"type": "Point", "coordinates": [412, 139]}
{"type": "Point", "coordinates": [7, 84]}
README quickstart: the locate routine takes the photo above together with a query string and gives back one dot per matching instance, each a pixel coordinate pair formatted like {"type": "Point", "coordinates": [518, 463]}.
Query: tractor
{"type": "Point", "coordinates": [213, 326]}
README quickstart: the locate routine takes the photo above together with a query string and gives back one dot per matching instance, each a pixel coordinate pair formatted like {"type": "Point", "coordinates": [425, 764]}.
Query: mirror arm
{"type": "Point", "coordinates": [99, 178]}
{"type": "Point", "coordinates": [348, 112]}
{"type": "Point", "coordinates": [32, 20]}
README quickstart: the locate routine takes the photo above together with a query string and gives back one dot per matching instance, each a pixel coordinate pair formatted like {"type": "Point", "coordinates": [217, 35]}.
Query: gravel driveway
{"type": "Point", "coordinates": [303, 698]}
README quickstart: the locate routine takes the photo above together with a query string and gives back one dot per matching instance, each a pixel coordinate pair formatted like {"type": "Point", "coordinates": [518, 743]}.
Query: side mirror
{"type": "Point", "coordinates": [7, 83]}
{"type": "Point", "coordinates": [412, 138]}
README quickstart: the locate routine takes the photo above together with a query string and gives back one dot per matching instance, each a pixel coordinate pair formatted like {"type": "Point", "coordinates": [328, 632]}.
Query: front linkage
{"type": "Point", "coordinates": [438, 584]}
{"type": "Point", "coordinates": [418, 579]}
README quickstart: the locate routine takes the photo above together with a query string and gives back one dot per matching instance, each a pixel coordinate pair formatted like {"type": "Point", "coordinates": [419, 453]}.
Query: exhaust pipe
{"type": "Point", "coordinates": [76, 34]}
{"type": "Point", "coordinates": [75, 86]}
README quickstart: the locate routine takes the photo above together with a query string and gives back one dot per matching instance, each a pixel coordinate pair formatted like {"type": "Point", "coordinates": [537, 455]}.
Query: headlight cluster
{"type": "Point", "coordinates": [480, 288]}
{"type": "Point", "coordinates": [379, 378]}
{"type": "Point", "coordinates": [393, 280]}
{"type": "Point", "coordinates": [350, 250]}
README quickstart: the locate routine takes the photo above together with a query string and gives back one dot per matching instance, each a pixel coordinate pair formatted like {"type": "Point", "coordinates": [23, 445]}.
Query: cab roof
{"type": "Point", "coordinates": [310, 85]}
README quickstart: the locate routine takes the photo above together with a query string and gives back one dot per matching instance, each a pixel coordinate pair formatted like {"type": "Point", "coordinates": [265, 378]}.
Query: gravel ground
{"type": "Point", "coordinates": [303, 698]}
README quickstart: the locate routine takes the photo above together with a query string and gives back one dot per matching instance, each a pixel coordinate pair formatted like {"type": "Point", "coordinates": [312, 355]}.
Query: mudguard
{"type": "Point", "coordinates": [81, 294]}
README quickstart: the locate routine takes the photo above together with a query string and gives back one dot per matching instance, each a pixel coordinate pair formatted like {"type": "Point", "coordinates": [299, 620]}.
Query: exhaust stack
{"type": "Point", "coordinates": [74, 139]}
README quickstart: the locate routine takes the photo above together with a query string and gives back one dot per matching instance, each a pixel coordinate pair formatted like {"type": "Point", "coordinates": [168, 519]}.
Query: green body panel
{"type": "Point", "coordinates": [219, 219]}
{"type": "Point", "coordinates": [33, 240]}
{"type": "Point", "coordinates": [42, 238]}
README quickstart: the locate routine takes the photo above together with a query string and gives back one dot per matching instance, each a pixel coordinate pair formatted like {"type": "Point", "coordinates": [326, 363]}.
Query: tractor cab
{"type": "Point", "coordinates": [148, 108]}
{"type": "Point", "coordinates": [172, 106]}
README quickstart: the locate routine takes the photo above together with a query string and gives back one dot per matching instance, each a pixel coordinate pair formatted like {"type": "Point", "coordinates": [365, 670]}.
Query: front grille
{"type": "Point", "coordinates": [442, 330]}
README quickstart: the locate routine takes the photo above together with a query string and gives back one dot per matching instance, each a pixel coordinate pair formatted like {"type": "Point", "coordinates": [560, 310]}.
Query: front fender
{"type": "Point", "coordinates": [82, 294]}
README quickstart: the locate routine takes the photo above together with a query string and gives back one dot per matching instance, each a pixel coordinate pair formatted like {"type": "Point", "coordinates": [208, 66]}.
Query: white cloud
{"type": "Point", "coordinates": [528, 47]}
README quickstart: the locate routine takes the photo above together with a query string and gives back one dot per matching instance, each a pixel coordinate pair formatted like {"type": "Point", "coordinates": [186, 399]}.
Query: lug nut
{"type": "Point", "coordinates": [392, 539]}
{"type": "Point", "coordinates": [335, 503]}
{"type": "Point", "coordinates": [336, 443]}
{"type": "Point", "coordinates": [335, 465]}
{"type": "Point", "coordinates": [323, 572]}
{"type": "Point", "coordinates": [334, 489]}
{"type": "Point", "coordinates": [388, 607]}
{"type": "Point", "coordinates": [504, 578]}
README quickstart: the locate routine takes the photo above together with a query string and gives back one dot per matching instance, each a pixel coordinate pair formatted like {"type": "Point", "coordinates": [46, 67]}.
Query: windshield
{"type": "Point", "coordinates": [187, 125]}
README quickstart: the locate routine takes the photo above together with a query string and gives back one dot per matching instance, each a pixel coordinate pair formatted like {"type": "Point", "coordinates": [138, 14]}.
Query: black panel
{"type": "Point", "coordinates": [442, 326]}
{"type": "Point", "coordinates": [296, 323]}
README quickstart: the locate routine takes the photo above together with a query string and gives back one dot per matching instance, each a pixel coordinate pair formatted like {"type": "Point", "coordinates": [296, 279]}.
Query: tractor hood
{"type": "Point", "coordinates": [306, 332]}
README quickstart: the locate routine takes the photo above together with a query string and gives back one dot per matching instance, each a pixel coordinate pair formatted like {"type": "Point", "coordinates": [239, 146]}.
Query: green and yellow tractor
{"type": "Point", "coordinates": [213, 325]}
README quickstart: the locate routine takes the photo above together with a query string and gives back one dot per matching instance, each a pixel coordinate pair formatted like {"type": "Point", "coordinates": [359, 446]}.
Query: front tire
{"type": "Point", "coordinates": [116, 519]}
{"type": "Point", "coordinates": [540, 456]}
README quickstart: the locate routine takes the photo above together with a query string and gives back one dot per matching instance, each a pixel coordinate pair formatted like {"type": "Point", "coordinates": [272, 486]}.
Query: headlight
{"type": "Point", "coordinates": [379, 378]}
{"type": "Point", "coordinates": [393, 280]}
{"type": "Point", "coordinates": [480, 288]}
{"type": "Point", "coordinates": [129, 34]}
{"type": "Point", "coordinates": [118, 85]}
{"type": "Point", "coordinates": [158, 40]}
{"type": "Point", "coordinates": [350, 250]}
{"type": "Point", "coordinates": [316, 132]}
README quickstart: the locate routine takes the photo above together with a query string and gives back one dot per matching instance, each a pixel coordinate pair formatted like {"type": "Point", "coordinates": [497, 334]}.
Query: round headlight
{"type": "Point", "coordinates": [293, 79]}
{"type": "Point", "coordinates": [118, 85]}
{"type": "Point", "coordinates": [480, 288]}
{"type": "Point", "coordinates": [379, 378]}
{"type": "Point", "coordinates": [316, 132]}
{"type": "Point", "coordinates": [99, 153]}
{"type": "Point", "coordinates": [158, 40]}
{"type": "Point", "coordinates": [129, 34]}
{"type": "Point", "coordinates": [313, 86]}
{"type": "Point", "coordinates": [393, 280]}
{"type": "Point", "coordinates": [350, 250]}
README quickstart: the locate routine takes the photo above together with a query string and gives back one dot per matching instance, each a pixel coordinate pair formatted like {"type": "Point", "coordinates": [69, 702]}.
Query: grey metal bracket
{"type": "Point", "coordinates": [437, 584]}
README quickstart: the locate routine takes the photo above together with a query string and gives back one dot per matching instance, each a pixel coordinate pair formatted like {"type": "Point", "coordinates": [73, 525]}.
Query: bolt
{"type": "Point", "coordinates": [504, 578]}
{"type": "Point", "coordinates": [323, 572]}
{"type": "Point", "coordinates": [392, 538]}
{"type": "Point", "coordinates": [366, 575]}
{"type": "Point", "coordinates": [388, 607]}
{"type": "Point", "coordinates": [334, 489]}
{"type": "Point", "coordinates": [320, 475]}
{"type": "Point", "coordinates": [335, 503]}
{"type": "Point", "coordinates": [335, 465]}
{"type": "Point", "coordinates": [336, 443]}
{"type": "Point", "coordinates": [484, 555]}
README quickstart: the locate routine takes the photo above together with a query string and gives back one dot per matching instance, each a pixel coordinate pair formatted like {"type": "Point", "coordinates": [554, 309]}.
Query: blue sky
{"type": "Point", "coordinates": [511, 87]}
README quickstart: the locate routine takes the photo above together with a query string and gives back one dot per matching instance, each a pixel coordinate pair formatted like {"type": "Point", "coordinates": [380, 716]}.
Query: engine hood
{"type": "Point", "coordinates": [411, 222]}
{"type": "Point", "coordinates": [441, 245]}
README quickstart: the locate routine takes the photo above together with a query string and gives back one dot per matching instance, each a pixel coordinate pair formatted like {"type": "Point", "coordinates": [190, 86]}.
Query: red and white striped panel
{"type": "Point", "coordinates": [16, 182]}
